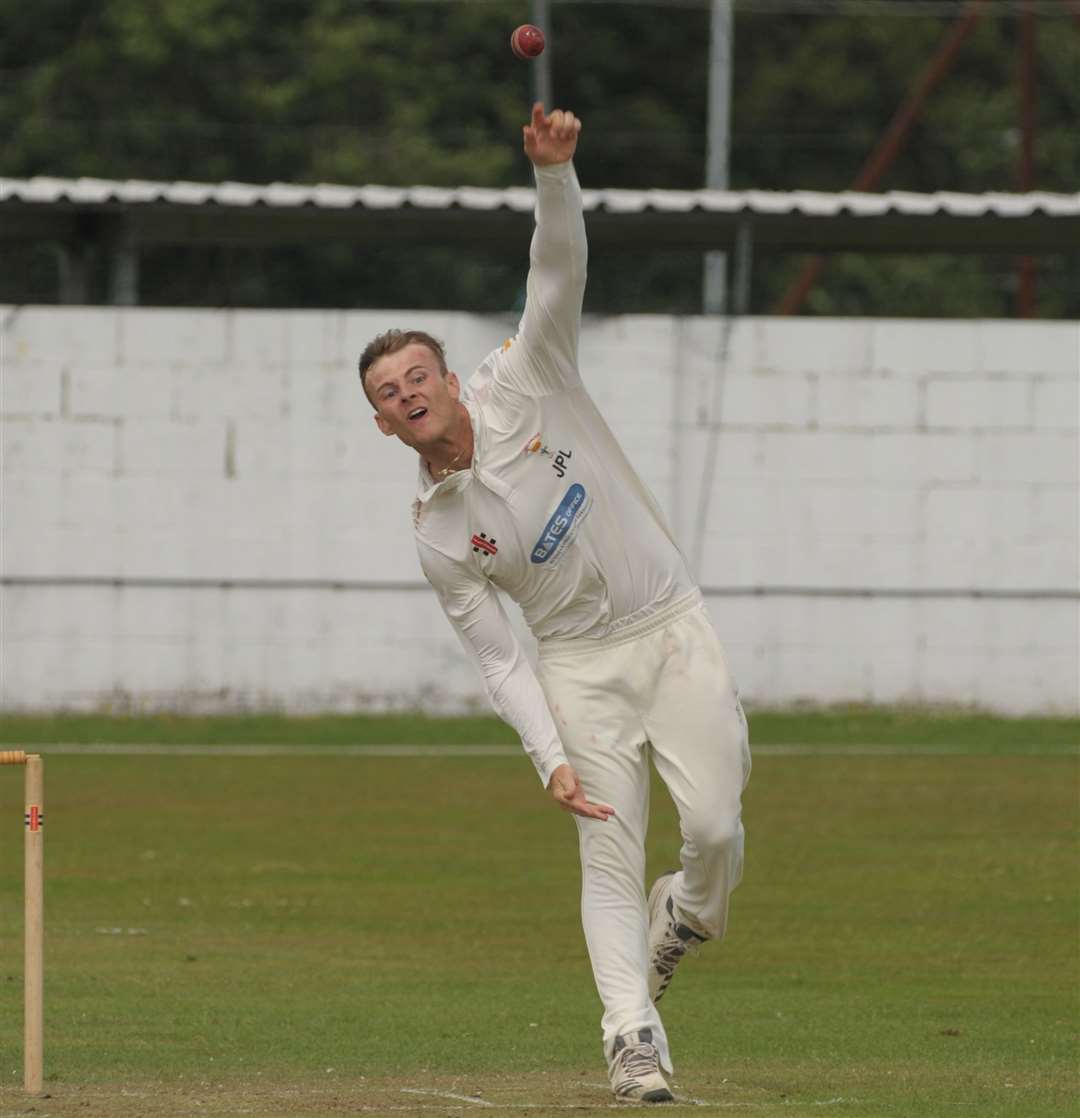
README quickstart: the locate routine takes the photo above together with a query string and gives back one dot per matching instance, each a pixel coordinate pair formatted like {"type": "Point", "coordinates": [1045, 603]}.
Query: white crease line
{"type": "Point", "coordinates": [156, 749]}
{"type": "Point", "coordinates": [407, 1108]}
{"type": "Point", "coordinates": [445, 1095]}
{"type": "Point", "coordinates": [150, 749]}
{"type": "Point", "coordinates": [432, 1093]}
{"type": "Point", "coordinates": [412, 1108]}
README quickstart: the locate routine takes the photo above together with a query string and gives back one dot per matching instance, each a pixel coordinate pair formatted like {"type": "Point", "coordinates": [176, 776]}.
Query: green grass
{"type": "Point", "coordinates": [224, 930]}
{"type": "Point", "coordinates": [847, 725]}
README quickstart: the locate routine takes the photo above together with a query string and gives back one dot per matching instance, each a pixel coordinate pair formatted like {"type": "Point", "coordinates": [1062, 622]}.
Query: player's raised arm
{"type": "Point", "coordinates": [557, 258]}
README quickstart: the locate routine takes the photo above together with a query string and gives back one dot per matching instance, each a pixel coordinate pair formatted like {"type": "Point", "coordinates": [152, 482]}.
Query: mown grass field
{"type": "Point", "coordinates": [312, 935]}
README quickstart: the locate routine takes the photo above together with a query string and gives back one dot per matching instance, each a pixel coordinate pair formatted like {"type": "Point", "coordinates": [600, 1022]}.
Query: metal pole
{"type": "Point", "coordinates": [124, 266]}
{"type": "Point", "coordinates": [541, 67]}
{"type": "Point", "coordinates": [714, 279]}
{"type": "Point", "coordinates": [1025, 295]}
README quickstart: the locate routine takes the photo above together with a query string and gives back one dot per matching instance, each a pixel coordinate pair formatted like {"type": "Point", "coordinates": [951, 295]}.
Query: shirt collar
{"type": "Point", "coordinates": [427, 486]}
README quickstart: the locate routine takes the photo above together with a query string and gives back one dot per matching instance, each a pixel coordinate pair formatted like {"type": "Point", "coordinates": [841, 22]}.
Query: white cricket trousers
{"type": "Point", "coordinates": [663, 682]}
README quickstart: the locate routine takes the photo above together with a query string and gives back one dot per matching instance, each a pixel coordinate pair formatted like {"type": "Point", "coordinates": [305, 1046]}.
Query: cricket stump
{"type": "Point", "coordinates": [34, 912]}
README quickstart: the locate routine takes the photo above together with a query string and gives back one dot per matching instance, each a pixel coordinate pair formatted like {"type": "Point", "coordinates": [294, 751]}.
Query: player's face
{"type": "Point", "coordinates": [412, 398]}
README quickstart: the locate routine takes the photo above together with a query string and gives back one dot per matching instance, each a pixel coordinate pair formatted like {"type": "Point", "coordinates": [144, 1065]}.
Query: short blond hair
{"type": "Point", "coordinates": [391, 342]}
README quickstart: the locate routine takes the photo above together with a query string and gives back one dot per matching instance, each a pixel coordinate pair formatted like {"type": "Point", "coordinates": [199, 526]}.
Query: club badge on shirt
{"type": "Point", "coordinates": [559, 458]}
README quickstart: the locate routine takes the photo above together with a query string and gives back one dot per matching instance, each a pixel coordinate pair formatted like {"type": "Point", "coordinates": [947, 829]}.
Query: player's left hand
{"type": "Point", "coordinates": [566, 788]}
{"type": "Point", "coordinates": [551, 139]}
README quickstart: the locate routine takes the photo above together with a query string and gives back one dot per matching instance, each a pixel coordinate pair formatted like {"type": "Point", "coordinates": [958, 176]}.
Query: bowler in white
{"type": "Point", "coordinates": [524, 489]}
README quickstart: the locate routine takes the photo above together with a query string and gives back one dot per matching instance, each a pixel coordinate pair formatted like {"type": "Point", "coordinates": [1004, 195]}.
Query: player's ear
{"type": "Point", "coordinates": [453, 385]}
{"type": "Point", "coordinates": [382, 424]}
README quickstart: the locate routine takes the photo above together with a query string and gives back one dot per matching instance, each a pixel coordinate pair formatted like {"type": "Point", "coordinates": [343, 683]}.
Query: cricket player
{"type": "Point", "coordinates": [524, 489]}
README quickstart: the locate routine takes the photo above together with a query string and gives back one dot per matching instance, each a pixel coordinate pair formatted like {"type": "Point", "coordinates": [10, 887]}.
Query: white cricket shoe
{"type": "Point", "coordinates": [669, 940]}
{"type": "Point", "coordinates": [635, 1069]}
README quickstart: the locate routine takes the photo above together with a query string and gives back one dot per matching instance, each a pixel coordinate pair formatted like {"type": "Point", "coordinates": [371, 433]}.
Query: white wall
{"type": "Point", "coordinates": [933, 465]}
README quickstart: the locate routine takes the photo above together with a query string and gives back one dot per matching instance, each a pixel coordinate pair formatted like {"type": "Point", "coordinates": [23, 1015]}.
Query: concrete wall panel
{"type": "Point", "coordinates": [879, 511]}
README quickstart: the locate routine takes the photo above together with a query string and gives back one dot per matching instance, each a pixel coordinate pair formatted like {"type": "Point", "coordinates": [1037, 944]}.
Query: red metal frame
{"type": "Point", "coordinates": [888, 147]}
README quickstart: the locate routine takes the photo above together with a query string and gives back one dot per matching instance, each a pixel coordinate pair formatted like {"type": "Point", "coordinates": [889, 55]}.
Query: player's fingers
{"type": "Point", "coordinates": [581, 806]}
{"type": "Point", "coordinates": [556, 121]}
{"type": "Point", "coordinates": [537, 114]}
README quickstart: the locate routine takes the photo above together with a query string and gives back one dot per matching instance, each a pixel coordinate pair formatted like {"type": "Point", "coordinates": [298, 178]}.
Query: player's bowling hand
{"type": "Point", "coordinates": [551, 139]}
{"type": "Point", "coordinates": [570, 796]}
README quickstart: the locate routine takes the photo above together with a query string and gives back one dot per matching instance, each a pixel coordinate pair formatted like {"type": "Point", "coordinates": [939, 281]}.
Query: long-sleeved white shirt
{"type": "Point", "coordinates": [550, 510]}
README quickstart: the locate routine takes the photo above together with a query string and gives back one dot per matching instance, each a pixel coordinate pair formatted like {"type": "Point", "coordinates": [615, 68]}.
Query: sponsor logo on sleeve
{"type": "Point", "coordinates": [558, 528]}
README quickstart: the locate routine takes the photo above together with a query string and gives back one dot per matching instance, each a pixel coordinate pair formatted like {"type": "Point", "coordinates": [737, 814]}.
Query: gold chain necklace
{"type": "Point", "coordinates": [446, 471]}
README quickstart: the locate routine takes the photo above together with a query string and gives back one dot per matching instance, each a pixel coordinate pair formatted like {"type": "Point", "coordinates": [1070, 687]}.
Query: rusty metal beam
{"type": "Point", "coordinates": [890, 144]}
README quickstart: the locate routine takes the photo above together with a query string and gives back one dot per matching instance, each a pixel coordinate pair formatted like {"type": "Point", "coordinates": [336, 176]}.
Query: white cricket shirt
{"type": "Point", "coordinates": [550, 510]}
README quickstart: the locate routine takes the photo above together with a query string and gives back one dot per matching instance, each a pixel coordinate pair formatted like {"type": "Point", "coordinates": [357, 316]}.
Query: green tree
{"type": "Point", "coordinates": [404, 93]}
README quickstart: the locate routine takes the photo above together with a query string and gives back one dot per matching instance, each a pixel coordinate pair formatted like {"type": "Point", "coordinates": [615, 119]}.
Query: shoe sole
{"type": "Point", "coordinates": [657, 1094]}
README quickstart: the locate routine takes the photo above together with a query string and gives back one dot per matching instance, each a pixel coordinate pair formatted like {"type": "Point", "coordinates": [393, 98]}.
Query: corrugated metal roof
{"type": "Point", "coordinates": [103, 211]}
{"type": "Point", "coordinates": [284, 196]}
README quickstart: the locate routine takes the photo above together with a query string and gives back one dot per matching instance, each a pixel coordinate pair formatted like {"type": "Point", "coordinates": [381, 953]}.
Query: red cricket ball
{"type": "Point", "coordinates": [527, 41]}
